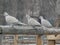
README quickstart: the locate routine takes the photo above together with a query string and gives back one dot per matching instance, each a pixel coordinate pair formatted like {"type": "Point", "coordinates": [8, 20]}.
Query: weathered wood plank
{"type": "Point", "coordinates": [28, 30]}
{"type": "Point", "coordinates": [51, 42]}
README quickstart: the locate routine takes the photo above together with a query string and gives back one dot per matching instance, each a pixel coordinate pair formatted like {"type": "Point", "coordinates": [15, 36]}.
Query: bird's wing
{"type": "Point", "coordinates": [11, 19]}
{"type": "Point", "coordinates": [46, 23]}
{"type": "Point", "coordinates": [33, 22]}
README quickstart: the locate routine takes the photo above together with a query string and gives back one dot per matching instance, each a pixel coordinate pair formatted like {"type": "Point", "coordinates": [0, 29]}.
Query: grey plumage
{"type": "Point", "coordinates": [32, 21]}
{"type": "Point", "coordinates": [45, 22]}
{"type": "Point", "coordinates": [12, 20]}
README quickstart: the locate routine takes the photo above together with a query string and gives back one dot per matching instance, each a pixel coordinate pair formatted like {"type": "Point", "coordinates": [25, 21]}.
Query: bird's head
{"type": "Point", "coordinates": [41, 17]}
{"type": "Point", "coordinates": [27, 16]}
{"type": "Point", "coordinates": [6, 14]}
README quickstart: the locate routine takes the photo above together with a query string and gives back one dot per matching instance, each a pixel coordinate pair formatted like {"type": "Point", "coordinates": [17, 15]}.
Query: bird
{"type": "Point", "coordinates": [45, 22]}
{"type": "Point", "coordinates": [32, 21]}
{"type": "Point", "coordinates": [12, 20]}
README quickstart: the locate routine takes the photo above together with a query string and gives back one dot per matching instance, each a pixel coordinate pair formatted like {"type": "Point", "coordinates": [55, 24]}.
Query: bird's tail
{"type": "Point", "coordinates": [22, 23]}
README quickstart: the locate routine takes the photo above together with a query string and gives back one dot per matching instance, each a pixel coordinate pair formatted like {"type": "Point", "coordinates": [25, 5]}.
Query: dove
{"type": "Point", "coordinates": [32, 21]}
{"type": "Point", "coordinates": [45, 22]}
{"type": "Point", "coordinates": [12, 20]}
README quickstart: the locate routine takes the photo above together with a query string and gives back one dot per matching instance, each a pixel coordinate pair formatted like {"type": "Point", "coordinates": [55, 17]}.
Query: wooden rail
{"type": "Point", "coordinates": [28, 30]}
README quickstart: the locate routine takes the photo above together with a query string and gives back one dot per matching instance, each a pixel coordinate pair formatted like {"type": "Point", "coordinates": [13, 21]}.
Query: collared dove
{"type": "Point", "coordinates": [45, 22]}
{"type": "Point", "coordinates": [32, 21]}
{"type": "Point", "coordinates": [11, 20]}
